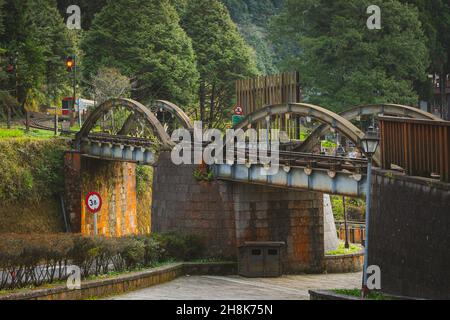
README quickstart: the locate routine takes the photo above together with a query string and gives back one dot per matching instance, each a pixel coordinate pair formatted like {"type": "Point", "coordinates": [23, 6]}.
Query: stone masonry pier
{"type": "Point", "coordinates": [227, 214]}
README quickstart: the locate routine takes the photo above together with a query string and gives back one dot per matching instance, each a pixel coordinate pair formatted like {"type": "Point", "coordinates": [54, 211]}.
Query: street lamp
{"type": "Point", "coordinates": [370, 144]}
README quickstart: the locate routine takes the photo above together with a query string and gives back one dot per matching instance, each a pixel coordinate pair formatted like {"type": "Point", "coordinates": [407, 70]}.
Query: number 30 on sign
{"type": "Point", "coordinates": [93, 202]}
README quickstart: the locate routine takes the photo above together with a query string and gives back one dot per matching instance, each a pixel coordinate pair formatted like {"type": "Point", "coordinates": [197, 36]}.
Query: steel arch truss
{"type": "Point", "coordinates": [354, 113]}
{"type": "Point", "coordinates": [327, 117]}
{"type": "Point", "coordinates": [160, 106]}
{"type": "Point", "coordinates": [122, 146]}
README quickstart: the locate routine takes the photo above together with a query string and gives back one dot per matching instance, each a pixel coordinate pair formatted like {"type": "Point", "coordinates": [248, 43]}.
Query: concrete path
{"type": "Point", "coordinates": [238, 288]}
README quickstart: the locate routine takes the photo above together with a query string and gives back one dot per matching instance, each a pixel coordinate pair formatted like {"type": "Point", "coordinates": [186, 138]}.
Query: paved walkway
{"type": "Point", "coordinates": [238, 288]}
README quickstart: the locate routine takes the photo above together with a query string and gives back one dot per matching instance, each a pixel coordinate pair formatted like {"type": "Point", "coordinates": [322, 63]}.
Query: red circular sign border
{"type": "Point", "coordinates": [87, 198]}
{"type": "Point", "coordinates": [238, 113]}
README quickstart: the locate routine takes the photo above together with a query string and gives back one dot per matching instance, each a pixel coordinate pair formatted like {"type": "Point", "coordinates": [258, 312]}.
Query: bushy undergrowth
{"type": "Point", "coordinates": [31, 169]}
{"type": "Point", "coordinates": [355, 208]}
{"type": "Point", "coordinates": [144, 179]}
{"type": "Point", "coordinates": [38, 259]}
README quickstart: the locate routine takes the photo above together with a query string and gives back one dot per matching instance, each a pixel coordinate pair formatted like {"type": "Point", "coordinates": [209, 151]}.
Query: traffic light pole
{"type": "Point", "coordinates": [75, 91]}
{"type": "Point", "coordinates": [73, 69]}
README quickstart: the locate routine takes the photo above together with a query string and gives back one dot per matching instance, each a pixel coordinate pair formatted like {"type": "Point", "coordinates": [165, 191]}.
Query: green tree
{"type": "Point", "coordinates": [252, 17]}
{"type": "Point", "coordinates": [110, 83]}
{"type": "Point", "coordinates": [222, 57]}
{"type": "Point", "coordinates": [342, 62]}
{"type": "Point", "coordinates": [435, 18]}
{"type": "Point", "coordinates": [2, 28]}
{"type": "Point", "coordinates": [89, 8]}
{"type": "Point", "coordinates": [5, 97]}
{"type": "Point", "coordinates": [144, 41]}
{"type": "Point", "coordinates": [37, 39]}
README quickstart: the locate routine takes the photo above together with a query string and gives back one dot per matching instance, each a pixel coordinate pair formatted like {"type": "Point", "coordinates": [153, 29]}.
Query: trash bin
{"type": "Point", "coordinates": [260, 259]}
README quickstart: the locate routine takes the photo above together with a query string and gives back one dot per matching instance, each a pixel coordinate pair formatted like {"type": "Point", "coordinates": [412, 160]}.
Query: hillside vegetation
{"type": "Point", "coordinates": [252, 18]}
{"type": "Point", "coordinates": [31, 177]}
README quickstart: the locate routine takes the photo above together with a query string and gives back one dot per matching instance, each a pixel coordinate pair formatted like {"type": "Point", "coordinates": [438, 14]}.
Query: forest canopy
{"type": "Point", "coordinates": [191, 51]}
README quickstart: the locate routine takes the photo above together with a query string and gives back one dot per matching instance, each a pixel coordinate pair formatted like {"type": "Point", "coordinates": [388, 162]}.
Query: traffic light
{"type": "Point", "coordinates": [10, 68]}
{"type": "Point", "coordinates": [70, 64]}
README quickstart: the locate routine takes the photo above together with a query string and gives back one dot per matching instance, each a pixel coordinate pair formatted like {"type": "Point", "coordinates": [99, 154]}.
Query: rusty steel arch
{"type": "Point", "coordinates": [321, 114]}
{"type": "Point", "coordinates": [170, 107]}
{"type": "Point", "coordinates": [372, 109]}
{"type": "Point", "coordinates": [139, 109]}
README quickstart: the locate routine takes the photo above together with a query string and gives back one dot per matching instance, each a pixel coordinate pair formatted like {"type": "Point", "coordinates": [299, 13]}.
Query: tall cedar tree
{"type": "Point", "coordinates": [435, 18]}
{"type": "Point", "coordinates": [252, 18]}
{"type": "Point", "coordinates": [342, 62]}
{"type": "Point", "coordinates": [89, 8]}
{"type": "Point", "coordinates": [35, 32]}
{"type": "Point", "coordinates": [144, 41]}
{"type": "Point", "coordinates": [222, 57]}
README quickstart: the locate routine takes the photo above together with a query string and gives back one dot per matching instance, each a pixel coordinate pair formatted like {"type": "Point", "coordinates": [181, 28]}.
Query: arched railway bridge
{"type": "Point", "coordinates": [140, 135]}
{"type": "Point", "coordinates": [244, 203]}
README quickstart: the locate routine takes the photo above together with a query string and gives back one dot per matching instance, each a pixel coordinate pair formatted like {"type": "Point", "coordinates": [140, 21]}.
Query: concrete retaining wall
{"type": "Point", "coordinates": [344, 263]}
{"type": "Point", "coordinates": [125, 283]}
{"type": "Point", "coordinates": [409, 235]}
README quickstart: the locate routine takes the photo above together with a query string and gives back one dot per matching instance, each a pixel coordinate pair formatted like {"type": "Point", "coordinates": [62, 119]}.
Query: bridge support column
{"type": "Point", "coordinates": [116, 183]}
{"type": "Point", "coordinates": [226, 214]}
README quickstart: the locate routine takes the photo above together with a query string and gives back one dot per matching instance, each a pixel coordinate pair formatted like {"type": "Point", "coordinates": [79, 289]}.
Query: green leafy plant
{"type": "Point", "coordinates": [203, 174]}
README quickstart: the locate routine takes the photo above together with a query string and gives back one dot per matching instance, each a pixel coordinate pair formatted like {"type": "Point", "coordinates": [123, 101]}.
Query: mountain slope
{"type": "Point", "coordinates": [252, 17]}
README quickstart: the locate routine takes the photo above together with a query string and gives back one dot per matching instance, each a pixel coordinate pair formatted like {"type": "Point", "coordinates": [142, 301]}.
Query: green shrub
{"type": "Point", "coordinates": [203, 174]}
{"type": "Point", "coordinates": [22, 256]}
{"type": "Point", "coordinates": [132, 252]}
{"type": "Point", "coordinates": [152, 250]}
{"type": "Point", "coordinates": [181, 248]}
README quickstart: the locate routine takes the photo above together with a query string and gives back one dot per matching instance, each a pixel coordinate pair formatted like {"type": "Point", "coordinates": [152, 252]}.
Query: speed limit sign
{"type": "Point", "coordinates": [238, 111]}
{"type": "Point", "coordinates": [93, 202]}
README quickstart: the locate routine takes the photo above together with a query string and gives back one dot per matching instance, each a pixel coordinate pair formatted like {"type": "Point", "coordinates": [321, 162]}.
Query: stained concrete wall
{"type": "Point", "coordinates": [116, 183]}
{"type": "Point", "coordinates": [228, 214]}
{"type": "Point", "coordinates": [409, 235]}
{"type": "Point", "coordinates": [185, 206]}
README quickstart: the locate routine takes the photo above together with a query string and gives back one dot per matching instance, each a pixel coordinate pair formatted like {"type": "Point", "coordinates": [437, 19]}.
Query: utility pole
{"type": "Point", "coordinates": [71, 67]}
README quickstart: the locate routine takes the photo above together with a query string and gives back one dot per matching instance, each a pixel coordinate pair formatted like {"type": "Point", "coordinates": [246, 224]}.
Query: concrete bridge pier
{"type": "Point", "coordinates": [116, 183]}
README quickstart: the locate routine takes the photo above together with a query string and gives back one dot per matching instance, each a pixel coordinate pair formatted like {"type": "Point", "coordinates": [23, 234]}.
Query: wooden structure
{"type": "Point", "coordinates": [256, 93]}
{"type": "Point", "coordinates": [421, 147]}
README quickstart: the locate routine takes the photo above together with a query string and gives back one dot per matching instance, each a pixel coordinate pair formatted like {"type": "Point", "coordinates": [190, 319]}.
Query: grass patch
{"type": "Point", "coordinates": [17, 132]}
{"type": "Point", "coordinates": [11, 133]}
{"type": "Point", "coordinates": [341, 250]}
{"type": "Point", "coordinates": [357, 293]}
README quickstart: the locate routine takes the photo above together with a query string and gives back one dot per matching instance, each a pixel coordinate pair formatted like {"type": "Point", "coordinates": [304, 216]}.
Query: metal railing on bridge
{"type": "Point", "coordinates": [419, 147]}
